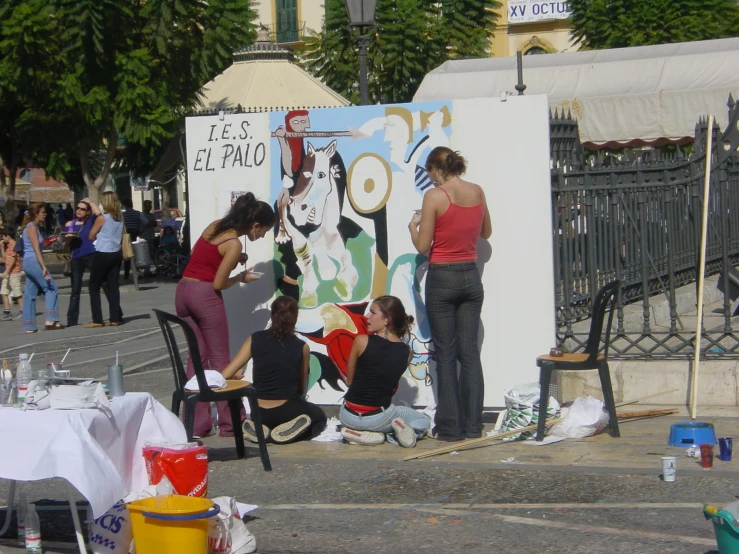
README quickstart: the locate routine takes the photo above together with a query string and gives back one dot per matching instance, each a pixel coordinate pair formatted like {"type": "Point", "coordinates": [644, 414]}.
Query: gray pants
{"type": "Point", "coordinates": [454, 296]}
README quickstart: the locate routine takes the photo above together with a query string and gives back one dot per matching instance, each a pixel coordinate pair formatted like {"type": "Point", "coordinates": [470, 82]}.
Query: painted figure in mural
{"type": "Point", "coordinates": [310, 224]}
{"type": "Point", "coordinates": [280, 375]}
{"type": "Point", "coordinates": [376, 364]}
{"type": "Point", "coordinates": [454, 215]}
{"type": "Point", "coordinates": [199, 299]}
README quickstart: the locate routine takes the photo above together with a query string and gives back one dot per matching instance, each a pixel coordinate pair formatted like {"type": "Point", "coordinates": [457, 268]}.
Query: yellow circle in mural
{"type": "Point", "coordinates": [369, 181]}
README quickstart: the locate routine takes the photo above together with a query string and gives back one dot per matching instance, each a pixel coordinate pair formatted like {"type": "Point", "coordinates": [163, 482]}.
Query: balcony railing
{"type": "Point", "coordinates": [288, 34]}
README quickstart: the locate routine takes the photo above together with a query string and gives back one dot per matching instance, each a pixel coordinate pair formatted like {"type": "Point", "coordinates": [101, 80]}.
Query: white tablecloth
{"type": "Point", "coordinates": [97, 453]}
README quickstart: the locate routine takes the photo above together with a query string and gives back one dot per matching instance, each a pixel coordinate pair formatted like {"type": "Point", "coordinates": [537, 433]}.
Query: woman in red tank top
{"type": "Point", "coordinates": [454, 216]}
{"type": "Point", "coordinates": [198, 297]}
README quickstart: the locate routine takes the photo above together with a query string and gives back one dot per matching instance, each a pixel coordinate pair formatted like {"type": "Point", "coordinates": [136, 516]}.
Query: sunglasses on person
{"type": "Point", "coordinates": [82, 208]}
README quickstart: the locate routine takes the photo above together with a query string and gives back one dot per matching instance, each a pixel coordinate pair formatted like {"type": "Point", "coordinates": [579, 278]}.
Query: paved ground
{"type": "Point", "coordinates": [593, 495]}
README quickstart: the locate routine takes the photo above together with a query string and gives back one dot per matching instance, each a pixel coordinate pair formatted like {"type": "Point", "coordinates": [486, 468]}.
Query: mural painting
{"type": "Point", "coordinates": [345, 183]}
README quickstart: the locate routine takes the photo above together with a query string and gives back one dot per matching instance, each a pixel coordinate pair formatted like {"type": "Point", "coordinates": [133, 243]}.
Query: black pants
{"type": "Point", "coordinates": [127, 263]}
{"type": "Point", "coordinates": [79, 266]}
{"type": "Point", "coordinates": [106, 266]}
{"type": "Point", "coordinates": [272, 417]}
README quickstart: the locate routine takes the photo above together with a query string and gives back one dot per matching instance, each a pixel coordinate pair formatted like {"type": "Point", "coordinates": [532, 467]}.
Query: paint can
{"type": "Point", "coordinates": [669, 468]}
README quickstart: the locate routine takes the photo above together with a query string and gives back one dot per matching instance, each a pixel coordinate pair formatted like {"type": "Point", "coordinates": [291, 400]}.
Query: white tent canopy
{"type": "Point", "coordinates": [647, 94]}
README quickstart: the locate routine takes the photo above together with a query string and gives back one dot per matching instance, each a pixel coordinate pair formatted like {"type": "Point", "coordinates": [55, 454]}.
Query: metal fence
{"type": "Point", "coordinates": [640, 221]}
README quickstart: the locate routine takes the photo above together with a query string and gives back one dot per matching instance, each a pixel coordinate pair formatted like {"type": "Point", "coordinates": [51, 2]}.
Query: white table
{"type": "Point", "coordinates": [99, 454]}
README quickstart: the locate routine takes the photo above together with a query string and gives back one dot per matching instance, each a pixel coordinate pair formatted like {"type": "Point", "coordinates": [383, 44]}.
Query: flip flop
{"type": "Point", "coordinates": [54, 326]}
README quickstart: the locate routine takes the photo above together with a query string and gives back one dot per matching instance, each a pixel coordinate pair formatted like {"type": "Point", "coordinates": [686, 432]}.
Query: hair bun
{"type": "Point", "coordinates": [409, 319]}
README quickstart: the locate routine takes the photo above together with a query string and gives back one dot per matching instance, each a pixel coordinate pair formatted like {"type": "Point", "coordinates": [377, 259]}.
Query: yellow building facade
{"type": "Point", "coordinates": [290, 21]}
{"type": "Point", "coordinates": [532, 27]}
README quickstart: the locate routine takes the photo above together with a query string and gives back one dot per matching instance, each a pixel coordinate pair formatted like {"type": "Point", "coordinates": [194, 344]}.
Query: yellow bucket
{"type": "Point", "coordinates": [171, 524]}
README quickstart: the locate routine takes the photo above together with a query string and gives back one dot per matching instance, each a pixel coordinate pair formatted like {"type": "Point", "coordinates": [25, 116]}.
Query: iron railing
{"type": "Point", "coordinates": [639, 221]}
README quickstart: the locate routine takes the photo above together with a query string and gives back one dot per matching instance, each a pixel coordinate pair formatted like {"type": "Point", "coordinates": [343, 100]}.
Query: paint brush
{"type": "Point", "coordinates": [65, 356]}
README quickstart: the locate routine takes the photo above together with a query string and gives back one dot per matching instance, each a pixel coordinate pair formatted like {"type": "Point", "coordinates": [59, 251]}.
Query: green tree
{"type": "Point", "coordinates": [620, 23]}
{"type": "Point", "coordinates": [410, 38]}
{"type": "Point", "coordinates": [126, 74]}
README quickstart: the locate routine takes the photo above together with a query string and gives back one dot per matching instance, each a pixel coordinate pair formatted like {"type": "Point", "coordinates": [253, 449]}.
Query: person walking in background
{"type": "Point", "coordinates": [10, 288]}
{"type": "Point", "coordinates": [199, 300]}
{"type": "Point", "coordinates": [107, 232]}
{"type": "Point", "coordinates": [149, 229]}
{"type": "Point", "coordinates": [61, 216]}
{"type": "Point", "coordinates": [134, 221]}
{"type": "Point", "coordinates": [69, 212]}
{"type": "Point", "coordinates": [374, 369]}
{"type": "Point", "coordinates": [453, 216]}
{"type": "Point", "coordinates": [280, 375]}
{"type": "Point", "coordinates": [38, 278]}
{"type": "Point", "coordinates": [49, 222]}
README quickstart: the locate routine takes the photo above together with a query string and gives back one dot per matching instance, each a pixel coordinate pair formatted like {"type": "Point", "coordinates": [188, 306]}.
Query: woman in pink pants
{"type": "Point", "coordinates": [198, 299]}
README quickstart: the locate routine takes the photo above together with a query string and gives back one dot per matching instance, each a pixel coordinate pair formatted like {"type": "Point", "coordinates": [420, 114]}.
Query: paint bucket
{"type": "Point", "coordinates": [171, 524]}
{"type": "Point", "coordinates": [726, 529]}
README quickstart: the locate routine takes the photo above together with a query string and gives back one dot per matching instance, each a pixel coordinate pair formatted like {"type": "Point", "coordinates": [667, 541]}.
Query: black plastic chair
{"type": "Point", "coordinates": [233, 393]}
{"type": "Point", "coordinates": [589, 359]}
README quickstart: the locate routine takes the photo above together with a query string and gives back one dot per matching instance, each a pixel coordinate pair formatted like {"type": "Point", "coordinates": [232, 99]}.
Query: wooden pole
{"type": "Point", "coordinates": [483, 441]}
{"type": "Point", "coordinates": [701, 272]}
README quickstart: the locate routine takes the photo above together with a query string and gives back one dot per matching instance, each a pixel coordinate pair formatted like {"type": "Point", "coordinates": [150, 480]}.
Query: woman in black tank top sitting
{"type": "Point", "coordinates": [376, 364]}
{"type": "Point", "coordinates": [280, 375]}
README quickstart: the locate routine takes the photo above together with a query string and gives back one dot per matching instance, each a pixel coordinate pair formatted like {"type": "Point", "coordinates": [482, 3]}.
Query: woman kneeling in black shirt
{"type": "Point", "coordinates": [376, 364]}
{"type": "Point", "coordinates": [280, 375]}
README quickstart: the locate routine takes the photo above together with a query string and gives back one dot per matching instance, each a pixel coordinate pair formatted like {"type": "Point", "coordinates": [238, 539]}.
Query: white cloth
{"type": "Point", "coordinates": [101, 455]}
{"type": "Point", "coordinates": [87, 394]}
{"type": "Point", "coordinates": [214, 378]}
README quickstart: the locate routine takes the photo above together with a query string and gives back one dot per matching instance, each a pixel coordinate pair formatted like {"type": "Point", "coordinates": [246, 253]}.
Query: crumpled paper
{"type": "Point", "coordinates": [331, 433]}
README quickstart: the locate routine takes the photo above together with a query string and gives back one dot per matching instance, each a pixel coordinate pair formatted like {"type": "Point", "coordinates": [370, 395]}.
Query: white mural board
{"type": "Point", "coordinates": [352, 178]}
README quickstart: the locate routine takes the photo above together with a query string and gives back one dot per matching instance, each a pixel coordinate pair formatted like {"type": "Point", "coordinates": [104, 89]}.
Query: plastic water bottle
{"type": "Point", "coordinates": [33, 530]}
{"type": "Point", "coordinates": [21, 518]}
{"type": "Point", "coordinates": [23, 376]}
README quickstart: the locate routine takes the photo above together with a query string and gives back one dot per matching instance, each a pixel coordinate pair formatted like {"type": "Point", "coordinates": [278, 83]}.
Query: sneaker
{"type": "Point", "coordinates": [250, 432]}
{"type": "Point", "coordinates": [6, 317]}
{"type": "Point", "coordinates": [291, 430]}
{"type": "Point", "coordinates": [367, 438]}
{"type": "Point", "coordinates": [405, 434]}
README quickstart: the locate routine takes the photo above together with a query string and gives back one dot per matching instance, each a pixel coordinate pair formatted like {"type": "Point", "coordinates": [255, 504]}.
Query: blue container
{"type": "Point", "coordinates": [693, 433]}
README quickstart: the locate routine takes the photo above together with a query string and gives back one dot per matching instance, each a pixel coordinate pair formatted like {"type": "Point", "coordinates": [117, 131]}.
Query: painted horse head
{"type": "Point", "coordinates": [313, 186]}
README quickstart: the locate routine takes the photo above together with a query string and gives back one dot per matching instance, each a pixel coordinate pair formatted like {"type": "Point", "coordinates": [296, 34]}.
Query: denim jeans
{"type": "Point", "coordinates": [36, 284]}
{"type": "Point", "coordinates": [454, 296]}
{"type": "Point", "coordinates": [381, 423]}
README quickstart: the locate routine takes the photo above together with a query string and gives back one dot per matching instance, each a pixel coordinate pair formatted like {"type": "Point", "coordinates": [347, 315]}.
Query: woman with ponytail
{"type": "Point", "coordinates": [38, 278]}
{"type": "Point", "coordinates": [376, 364]}
{"type": "Point", "coordinates": [453, 216]}
{"type": "Point", "coordinates": [280, 375]}
{"type": "Point", "coordinates": [198, 298]}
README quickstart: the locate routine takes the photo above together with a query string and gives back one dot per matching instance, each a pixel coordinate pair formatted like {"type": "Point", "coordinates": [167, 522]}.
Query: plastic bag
{"type": "Point", "coordinates": [522, 409]}
{"type": "Point", "coordinates": [111, 533]}
{"type": "Point", "coordinates": [584, 418]}
{"type": "Point", "coordinates": [227, 534]}
{"type": "Point", "coordinates": [179, 467]}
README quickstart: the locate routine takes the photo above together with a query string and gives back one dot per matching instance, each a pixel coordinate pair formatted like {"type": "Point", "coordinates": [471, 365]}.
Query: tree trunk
{"type": "Point", "coordinates": [7, 190]}
{"type": "Point", "coordinates": [95, 182]}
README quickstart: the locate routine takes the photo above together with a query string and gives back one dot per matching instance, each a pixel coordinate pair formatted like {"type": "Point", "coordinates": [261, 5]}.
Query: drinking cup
{"type": "Point", "coordinates": [725, 446]}
{"type": "Point", "coordinates": [669, 468]}
{"type": "Point", "coordinates": [706, 456]}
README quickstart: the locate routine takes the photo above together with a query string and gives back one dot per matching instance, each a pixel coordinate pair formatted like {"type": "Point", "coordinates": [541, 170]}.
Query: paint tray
{"type": "Point", "coordinates": [692, 433]}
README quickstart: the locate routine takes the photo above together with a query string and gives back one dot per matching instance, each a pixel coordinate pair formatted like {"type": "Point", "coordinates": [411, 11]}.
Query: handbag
{"type": "Point", "coordinates": [126, 247]}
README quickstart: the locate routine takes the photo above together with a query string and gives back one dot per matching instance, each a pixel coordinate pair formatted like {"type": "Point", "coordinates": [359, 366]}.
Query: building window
{"type": "Point", "coordinates": [287, 20]}
{"type": "Point", "coordinates": [534, 51]}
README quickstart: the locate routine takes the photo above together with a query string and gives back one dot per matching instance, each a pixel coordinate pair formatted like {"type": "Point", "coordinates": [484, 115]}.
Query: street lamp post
{"type": "Point", "coordinates": [362, 15]}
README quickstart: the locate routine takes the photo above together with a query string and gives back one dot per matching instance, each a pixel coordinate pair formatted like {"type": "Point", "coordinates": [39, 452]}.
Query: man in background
{"type": "Point", "coordinates": [134, 221]}
{"type": "Point", "coordinates": [149, 230]}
